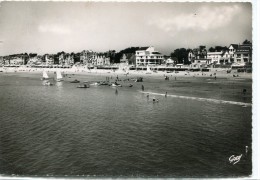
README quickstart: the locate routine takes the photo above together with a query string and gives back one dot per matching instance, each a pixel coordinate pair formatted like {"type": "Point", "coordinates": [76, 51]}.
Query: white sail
{"type": "Point", "coordinates": [45, 75]}
{"type": "Point", "coordinates": [148, 70]}
{"type": "Point", "coordinates": [59, 76]}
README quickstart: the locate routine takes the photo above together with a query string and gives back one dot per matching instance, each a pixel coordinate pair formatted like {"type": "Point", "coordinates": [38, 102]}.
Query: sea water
{"type": "Point", "coordinates": [63, 130]}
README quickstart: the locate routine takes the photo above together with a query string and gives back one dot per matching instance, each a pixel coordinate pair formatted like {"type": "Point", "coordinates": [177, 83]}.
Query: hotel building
{"type": "Point", "coordinates": [148, 56]}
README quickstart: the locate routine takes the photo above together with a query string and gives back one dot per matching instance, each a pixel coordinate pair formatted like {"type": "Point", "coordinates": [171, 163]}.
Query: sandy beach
{"type": "Point", "coordinates": [218, 72]}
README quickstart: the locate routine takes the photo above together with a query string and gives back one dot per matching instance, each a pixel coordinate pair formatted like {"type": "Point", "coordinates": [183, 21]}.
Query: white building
{"type": "Point", "coordinates": [124, 60]}
{"type": "Point", "coordinates": [101, 60]}
{"type": "Point", "coordinates": [49, 60]}
{"type": "Point", "coordinates": [148, 56]}
{"type": "Point", "coordinates": [215, 57]}
{"type": "Point", "coordinates": [232, 49]}
{"type": "Point", "coordinates": [226, 57]}
{"type": "Point", "coordinates": [243, 54]}
{"type": "Point", "coordinates": [201, 63]}
{"type": "Point", "coordinates": [169, 62]}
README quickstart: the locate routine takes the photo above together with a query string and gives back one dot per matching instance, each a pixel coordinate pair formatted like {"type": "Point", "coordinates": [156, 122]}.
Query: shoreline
{"type": "Point", "coordinates": [222, 73]}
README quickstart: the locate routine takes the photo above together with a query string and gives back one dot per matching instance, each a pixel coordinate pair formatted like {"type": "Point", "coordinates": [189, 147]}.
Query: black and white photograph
{"type": "Point", "coordinates": [126, 89]}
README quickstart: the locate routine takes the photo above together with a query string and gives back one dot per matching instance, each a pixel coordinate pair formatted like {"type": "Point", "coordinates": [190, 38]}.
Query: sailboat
{"type": "Point", "coordinates": [148, 71]}
{"type": "Point", "coordinates": [59, 76]}
{"type": "Point", "coordinates": [45, 75]}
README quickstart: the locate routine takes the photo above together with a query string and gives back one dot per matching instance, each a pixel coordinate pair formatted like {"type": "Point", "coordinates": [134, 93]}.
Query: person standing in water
{"type": "Point", "coordinates": [166, 94]}
{"type": "Point", "coordinates": [142, 87]}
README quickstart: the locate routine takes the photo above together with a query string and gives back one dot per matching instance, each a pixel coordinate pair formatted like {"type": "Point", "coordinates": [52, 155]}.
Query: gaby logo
{"type": "Point", "coordinates": [234, 159]}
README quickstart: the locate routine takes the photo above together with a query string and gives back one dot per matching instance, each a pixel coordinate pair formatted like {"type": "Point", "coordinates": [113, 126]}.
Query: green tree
{"type": "Point", "coordinates": [181, 55]}
{"type": "Point", "coordinates": [247, 42]}
{"type": "Point", "coordinates": [211, 49]}
{"type": "Point", "coordinates": [127, 50]}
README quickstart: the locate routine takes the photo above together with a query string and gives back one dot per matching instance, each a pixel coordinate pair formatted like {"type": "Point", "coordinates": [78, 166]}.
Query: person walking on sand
{"type": "Point", "coordinates": [142, 87]}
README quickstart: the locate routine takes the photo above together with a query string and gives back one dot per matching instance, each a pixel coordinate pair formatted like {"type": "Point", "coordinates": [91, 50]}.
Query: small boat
{"type": "Point", "coordinates": [139, 79]}
{"type": "Point", "coordinates": [104, 83]}
{"type": "Point", "coordinates": [45, 76]}
{"type": "Point", "coordinates": [75, 81]}
{"type": "Point", "coordinates": [83, 86]}
{"type": "Point", "coordinates": [47, 83]}
{"type": "Point", "coordinates": [59, 76]}
{"type": "Point", "coordinates": [95, 84]}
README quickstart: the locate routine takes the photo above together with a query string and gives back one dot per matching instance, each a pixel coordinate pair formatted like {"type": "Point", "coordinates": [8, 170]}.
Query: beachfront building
{"type": "Point", "coordinates": [127, 59]}
{"type": "Point", "coordinates": [215, 57]}
{"type": "Point", "coordinates": [68, 59]}
{"type": "Point", "coordinates": [124, 60]}
{"type": "Point", "coordinates": [49, 59]}
{"type": "Point", "coordinates": [61, 58]}
{"type": "Point", "coordinates": [169, 62]}
{"type": "Point", "coordinates": [201, 63]}
{"type": "Point", "coordinates": [243, 54]}
{"type": "Point", "coordinates": [226, 57]}
{"type": "Point", "coordinates": [148, 56]}
{"type": "Point", "coordinates": [231, 50]}
{"type": "Point", "coordinates": [101, 60]}
{"type": "Point", "coordinates": [198, 57]}
{"type": "Point", "coordinates": [197, 54]}
{"type": "Point", "coordinates": [84, 57]}
{"type": "Point", "coordinates": [191, 56]}
{"type": "Point", "coordinates": [16, 61]}
{"type": "Point", "coordinates": [35, 60]}
{"type": "Point", "coordinates": [88, 57]}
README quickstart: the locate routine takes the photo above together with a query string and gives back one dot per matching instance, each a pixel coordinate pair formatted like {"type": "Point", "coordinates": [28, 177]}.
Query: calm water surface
{"type": "Point", "coordinates": [63, 130]}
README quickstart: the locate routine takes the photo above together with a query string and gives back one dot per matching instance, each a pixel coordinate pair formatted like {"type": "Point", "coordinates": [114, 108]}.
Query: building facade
{"type": "Point", "coordinates": [215, 57]}
{"type": "Point", "coordinates": [197, 53]}
{"type": "Point", "coordinates": [243, 54]}
{"type": "Point", "coordinates": [148, 56]}
{"type": "Point", "coordinates": [231, 50]}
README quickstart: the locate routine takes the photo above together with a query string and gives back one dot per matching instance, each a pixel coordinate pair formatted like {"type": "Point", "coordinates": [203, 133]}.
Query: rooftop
{"type": "Point", "coordinates": [142, 48]}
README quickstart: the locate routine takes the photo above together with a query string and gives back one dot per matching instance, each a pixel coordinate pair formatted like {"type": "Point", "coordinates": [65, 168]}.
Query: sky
{"type": "Point", "coordinates": [51, 27]}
